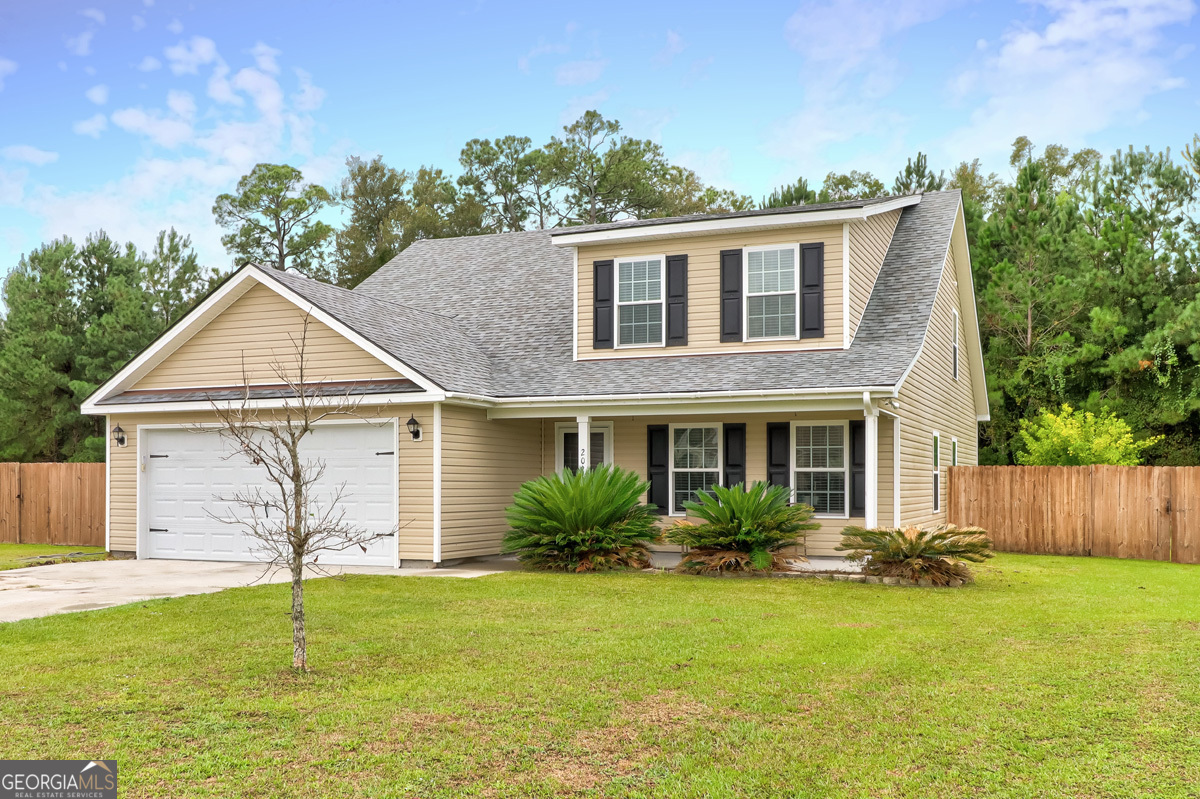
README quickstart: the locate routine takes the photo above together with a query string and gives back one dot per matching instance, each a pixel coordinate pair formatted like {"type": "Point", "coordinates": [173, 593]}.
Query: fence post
{"type": "Point", "coordinates": [20, 502]}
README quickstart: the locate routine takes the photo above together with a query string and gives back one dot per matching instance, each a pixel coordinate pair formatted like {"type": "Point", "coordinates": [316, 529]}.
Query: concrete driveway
{"type": "Point", "coordinates": [67, 587]}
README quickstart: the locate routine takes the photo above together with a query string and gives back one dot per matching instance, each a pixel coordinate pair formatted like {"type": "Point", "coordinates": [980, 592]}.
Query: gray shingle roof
{"type": "Point", "coordinates": [348, 388]}
{"type": "Point", "coordinates": [668, 220]}
{"type": "Point", "coordinates": [493, 315]}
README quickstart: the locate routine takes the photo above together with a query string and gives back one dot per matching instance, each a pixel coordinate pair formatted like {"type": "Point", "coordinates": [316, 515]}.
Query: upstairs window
{"type": "Point", "coordinates": [640, 302]}
{"type": "Point", "coordinates": [771, 292]}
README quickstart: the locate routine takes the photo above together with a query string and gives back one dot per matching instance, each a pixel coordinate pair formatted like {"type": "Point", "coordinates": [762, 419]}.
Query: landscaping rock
{"type": "Point", "coordinates": [873, 580]}
{"type": "Point", "coordinates": [925, 582]}
{"type": "Point", "coordinates": [891, 580]}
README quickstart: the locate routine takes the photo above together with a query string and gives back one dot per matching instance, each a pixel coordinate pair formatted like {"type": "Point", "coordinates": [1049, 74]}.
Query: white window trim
{"type": "Point", "coordinates": [795, 248]}
{"type": "Point", "coordinates": [955, 353]}
{"type": "Point", "coordinates": [792, 469]}
{"type": "Point", "coordinates": [662, 301]}
{"type": "Point", "coordinates": [720, 470]}
{"type": "Point", "coordinates": [937, 472]}
{"type": "Point", "coordinates": [572, 427]}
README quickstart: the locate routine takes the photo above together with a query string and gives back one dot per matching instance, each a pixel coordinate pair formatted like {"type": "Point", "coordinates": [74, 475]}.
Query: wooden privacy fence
{"type": "Point", "coordinates": [52, 503]}
{"type": "Point", "coordinates": [1148, 512]}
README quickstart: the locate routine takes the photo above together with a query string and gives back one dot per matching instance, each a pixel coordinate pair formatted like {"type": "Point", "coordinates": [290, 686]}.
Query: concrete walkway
{"type": "Point", "coordinates": [67, 587]}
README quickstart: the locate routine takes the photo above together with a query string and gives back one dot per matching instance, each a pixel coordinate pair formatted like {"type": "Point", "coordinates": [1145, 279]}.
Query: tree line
{"type": "Point", "coordinates": [1085, 268]}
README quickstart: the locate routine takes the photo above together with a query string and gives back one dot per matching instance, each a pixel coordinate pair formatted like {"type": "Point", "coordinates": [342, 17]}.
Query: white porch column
{"type": "Point", "coordinates": [871, 414]}
{"type": "Point", "coordinates": [585, 437]}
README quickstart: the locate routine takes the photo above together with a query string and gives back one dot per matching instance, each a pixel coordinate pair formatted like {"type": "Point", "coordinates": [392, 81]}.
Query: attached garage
{"type": "Point", "coordinates": [187, 477]}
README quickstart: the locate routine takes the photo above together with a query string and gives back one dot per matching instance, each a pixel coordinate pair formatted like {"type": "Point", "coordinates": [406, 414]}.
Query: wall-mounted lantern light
{"type": "Point", "coordinates": [118, 436]}
{"type": "Point", "coordinates": [414, 427]}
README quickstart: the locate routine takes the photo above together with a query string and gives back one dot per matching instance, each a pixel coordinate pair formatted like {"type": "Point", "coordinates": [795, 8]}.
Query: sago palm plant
{"type": "Point", "coordinates": [939, 554]}
{"type": "Point", "coordinates": [743, 529]}
{"type": "Point", "coordinates": [582, 521]}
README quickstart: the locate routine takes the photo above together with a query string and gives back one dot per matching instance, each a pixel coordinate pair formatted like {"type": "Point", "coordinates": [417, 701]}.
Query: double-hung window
{"type": "Point", "coordinates": [695, 461]}
{"type": "Point", "coordinates": [954, 346]}
{"type": "Point", "coordinates": [937, 473]}
{"type": "Point", "coordinates": [820, 466]}
{"type": "Point", "coordinates": [771, 291]}
{"type": "Point", "coordinates": [640, 301]}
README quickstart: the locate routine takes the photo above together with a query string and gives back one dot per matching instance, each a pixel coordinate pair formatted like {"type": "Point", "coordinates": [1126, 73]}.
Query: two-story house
{"type": "Point", "coordinates": [831, 348]}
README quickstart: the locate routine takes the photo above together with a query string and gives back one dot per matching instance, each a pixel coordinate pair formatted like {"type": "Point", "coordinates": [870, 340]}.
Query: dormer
{"type": "Point", "coordinates": [781, 279]}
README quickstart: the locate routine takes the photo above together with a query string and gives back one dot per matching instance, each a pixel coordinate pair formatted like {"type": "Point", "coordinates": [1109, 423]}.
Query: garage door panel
{"type": "Point", "coordinates": [199, 478]}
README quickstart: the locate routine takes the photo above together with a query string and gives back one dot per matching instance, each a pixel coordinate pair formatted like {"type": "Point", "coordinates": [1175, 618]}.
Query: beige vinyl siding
{"type": "Point", "coordinates": [931, 399]}
{"type": "Point", "coordinates": [869, 240]}
{"type": "Point", "coordinates": [484, 462]}
{"type": "Point", "coordinates": [629, 452]}
{"type": "Point", "coordinates": [416, 479]}
{"type": "Point", "coordinates": [704, 274]}
{"type": "Point", "coordinates": [259, 329]}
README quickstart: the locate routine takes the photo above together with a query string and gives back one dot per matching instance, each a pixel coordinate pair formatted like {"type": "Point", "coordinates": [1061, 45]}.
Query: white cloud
{"type": "Point", "coordinates": [175, 27]}
{"type": "Point", "coordinates": [264, 57]}
{"type": "Point", "coordinates": [849, 68]}
{"type": "Point", "coordinates": [576, 106]}
{"type": "Point", "coordinates": [139, 22]}
{"type": "Point", "coordinates": [577, 73]}
{"type": "Point", "coordinates": [149, 64]}
{"type": "Point", "coordinates": [168, 132]}
{"type": "Point", "coordinates": [80, 45]}
{"type": "Point", "coordinates": [209, 146]}
{"type": "Point", "coordinates": [547, 48]}
{"type": "Point", "coordinates": [97, 94]}
{"type": "Point", "coordinates": [94, 14]}
{"type": "Point", "coordinates": [28, 154]}
{"type": "Point", "coordinates": [673, 47]}
{"type": "Point", "coordinates": [148, 3]}
{"type": "Point", "coordinates": [181, 103]}
{"type": "Point", "coordinates": [186, 58]}
{"type": "Point", "coordinates": [219, 88]}
{"type": "Point", "coordinates": [92, 126]}
{"type": "Point", "coordinates": [7, 68]}
{"type": "Point", "coordinates": [847, 33]}
{"type": "Point", "coordinates": [309, 97]}
{"type": "Point", "coordinates": [1090, 66]}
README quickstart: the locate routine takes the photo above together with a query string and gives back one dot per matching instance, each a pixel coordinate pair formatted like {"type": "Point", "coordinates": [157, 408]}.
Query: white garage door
{"type": "Point", "coordinates": [186, 476]}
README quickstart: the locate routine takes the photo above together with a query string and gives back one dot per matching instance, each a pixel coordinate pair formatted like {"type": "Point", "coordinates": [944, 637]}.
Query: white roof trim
{"type": "Point", "coordinates": [238, 284]}
{"type": "Point", "coordinates": [963, 275]}
{"type": "Point", "coordinates": [730, 224]}
{"type": "Point", "coordinates": [364, 401]}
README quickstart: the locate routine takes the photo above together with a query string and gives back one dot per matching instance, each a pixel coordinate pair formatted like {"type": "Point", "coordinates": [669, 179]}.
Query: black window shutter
{"type": "Point", "coordinates": [779, 471]}
{"type": "Point", "coordinates": [677, 300]}
{"type": "Point", "coordinates": [602, 305]}
{"type": "Point", "coordinates": [812, 290]}
{"type": "Point", "coordinates": [858, 468]}
{"type": "Point", "coordinates": [658, 457]}
{"type": "Point", "coordinates": [731, 295]}
{"type": "Point", "coordinates": [735, 454]}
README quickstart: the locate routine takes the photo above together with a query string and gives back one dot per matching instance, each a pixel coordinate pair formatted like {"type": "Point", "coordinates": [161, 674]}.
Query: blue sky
{"type": "Point", "coordinates": [132, 116]}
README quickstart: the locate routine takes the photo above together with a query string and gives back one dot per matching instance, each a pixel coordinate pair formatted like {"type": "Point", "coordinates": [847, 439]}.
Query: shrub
{"type": "Point", "coordinates": [744, 529]}
{"type": "Point", "coordinates": [1078, 438]}
{"type": "Point", "coordinates": [914, 554]}
{"type": "Point", "coordinates": [582, 521]}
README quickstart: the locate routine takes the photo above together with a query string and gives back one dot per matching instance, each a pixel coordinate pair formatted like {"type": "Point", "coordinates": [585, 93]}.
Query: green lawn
{"type": "Point", "coordinates": [16, 556]}
{"type": "Point", "coordinates": [1049, 677]}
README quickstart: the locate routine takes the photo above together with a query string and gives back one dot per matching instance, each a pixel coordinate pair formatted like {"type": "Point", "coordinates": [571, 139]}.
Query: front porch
{"type": "Point", "coordinates": [842, 462]}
